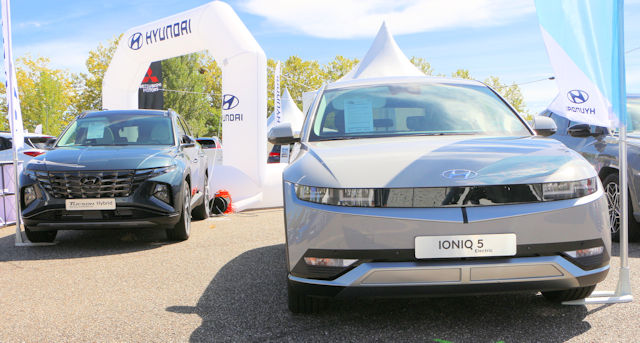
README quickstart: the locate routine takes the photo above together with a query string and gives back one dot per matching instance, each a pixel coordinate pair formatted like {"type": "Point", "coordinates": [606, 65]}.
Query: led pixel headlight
{"type": "Point", "coordinates": [447, 196]}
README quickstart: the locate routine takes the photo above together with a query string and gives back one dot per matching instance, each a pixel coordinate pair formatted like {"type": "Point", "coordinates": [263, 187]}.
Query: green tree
{"type": "Point", "coordinates": [511, 93]}
{"type": "Point", "coordinates": [89, 86]}
{"type": "Point", "coordinates": [422, 64]}
{"type": "Point", "coordinates": [213, 87]}
{"type": "Point", "coordinates": [337, 68]}
{"type": "Point", "coordinates": [46, 95]}
{"type": "Point", "coordinates": [185, 88]}
{"type": "Point", "coordinates": [462, 74]}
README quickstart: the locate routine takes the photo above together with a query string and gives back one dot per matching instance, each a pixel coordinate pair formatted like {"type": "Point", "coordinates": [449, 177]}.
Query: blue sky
{"type": "Point", "coordinates": [487, 37]}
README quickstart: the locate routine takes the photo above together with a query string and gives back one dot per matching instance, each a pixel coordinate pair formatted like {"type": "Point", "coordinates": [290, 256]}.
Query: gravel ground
{"type": "Point", "coordinates": [227, 283]}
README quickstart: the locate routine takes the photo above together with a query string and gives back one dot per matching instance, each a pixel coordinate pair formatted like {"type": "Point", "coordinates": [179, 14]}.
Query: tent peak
{"type": "Point", "coordinates": [384, 58]}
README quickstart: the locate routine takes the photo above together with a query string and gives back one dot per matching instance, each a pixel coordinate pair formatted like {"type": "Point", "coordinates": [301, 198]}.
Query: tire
{"type": "Point", "coordinates": [302, 303]}
{"type": "Point", "coordinates": [569, 294]}
{"type": "Point", "coordinates": [203, 211]}
{"type": "Point", "coordinates": [182, 229]}
{"type": "Point", "coordinates": [40, 236]}
{"type": "Point", "coordinates": [612, 191]}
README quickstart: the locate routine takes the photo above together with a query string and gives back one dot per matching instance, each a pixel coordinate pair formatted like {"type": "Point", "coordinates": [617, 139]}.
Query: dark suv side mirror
{"type": "Point", "coordinates": [187, 142]}
{"type": "Point", "coordinates": [580, 130]}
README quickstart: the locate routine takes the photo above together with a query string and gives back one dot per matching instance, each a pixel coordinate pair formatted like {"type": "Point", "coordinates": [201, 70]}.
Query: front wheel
{"type": "Point", "coordinates": [569, 294]}
{"type": "Point", "coordinates": [612, 191]}
{"type": "Point", "coordinates": [302, 303]}
{"type": "Point", "coordinates": [181, 231]}
{"type": "Point", "coordinates": [40, 236]}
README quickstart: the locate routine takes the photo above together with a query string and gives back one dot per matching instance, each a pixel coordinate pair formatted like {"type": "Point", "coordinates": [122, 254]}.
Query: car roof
{"type": "Point", "coordinates": [6, 134]}
{"type": "Point", "coordinates": [402, 79]}
{"type": "Point", "coordinates": [116, 112]}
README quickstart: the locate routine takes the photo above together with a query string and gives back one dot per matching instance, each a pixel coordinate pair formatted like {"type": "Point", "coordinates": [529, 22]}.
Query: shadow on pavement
{"type": "Point", "coordinates": [247, 301]}
{"type": "Point", "coordinates": [84, 243]}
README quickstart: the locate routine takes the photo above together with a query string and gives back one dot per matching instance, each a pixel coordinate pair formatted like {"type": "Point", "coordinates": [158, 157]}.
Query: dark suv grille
{"type": "Point", "coordinates": [92, 184]}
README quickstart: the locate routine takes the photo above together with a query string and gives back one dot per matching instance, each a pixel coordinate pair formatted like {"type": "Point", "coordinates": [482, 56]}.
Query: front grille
{"type": "Point", "coordinates": [92, 184]}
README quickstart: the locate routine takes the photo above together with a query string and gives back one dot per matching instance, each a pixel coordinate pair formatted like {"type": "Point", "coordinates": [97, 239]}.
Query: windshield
{"type": "Point", "coordinates": [119, 129]}
{"type": "Point", "coordinates": [413, 109]}
{"type": "Point", "coordinates": [633, 110]}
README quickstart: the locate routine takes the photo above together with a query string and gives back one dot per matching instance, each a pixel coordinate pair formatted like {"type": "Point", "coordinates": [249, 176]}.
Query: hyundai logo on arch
{"type": "Point", "coordinates": [229, 101]}
{"type": "Point", "coordinates": [459, 174]}
{"type": "Point", "coordinates": [165, 32]}
{"type": "Point", "coordinates": [135, 41]}
{"type": "Point", "coordinates": [578, 96]}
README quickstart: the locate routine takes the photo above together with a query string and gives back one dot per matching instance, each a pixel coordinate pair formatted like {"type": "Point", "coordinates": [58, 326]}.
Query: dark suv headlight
{"type": "Point", "coordinates": [28, 195]}
{"type": "Point", "coordinates": [162, 192]}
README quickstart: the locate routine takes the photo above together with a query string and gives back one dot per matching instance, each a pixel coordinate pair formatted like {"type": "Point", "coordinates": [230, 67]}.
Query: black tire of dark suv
{"type": "Point", "coordinates": [40, 236]}
{"type": "Point", "coordinates": [182, 230]}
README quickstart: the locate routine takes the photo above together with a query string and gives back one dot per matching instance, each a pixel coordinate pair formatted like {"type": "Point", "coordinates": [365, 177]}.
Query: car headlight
{"type": "Point", "coordinates": [28, 195]}
{"type": "Point", "coordinates": [462, 196]}
{"type": "Point", "coordinates": [162, 192]}
{"type": "Point", "coordinates": [569, 190]}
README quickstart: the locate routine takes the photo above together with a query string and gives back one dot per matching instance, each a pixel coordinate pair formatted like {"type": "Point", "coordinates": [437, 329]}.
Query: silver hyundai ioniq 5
{"type": "Point", "coordinates": [430, 186]}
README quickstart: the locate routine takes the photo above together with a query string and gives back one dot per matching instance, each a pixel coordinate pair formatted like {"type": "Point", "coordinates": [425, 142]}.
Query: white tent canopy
{"type": "Point", "coordinates": [290, 114]}
{"type": "Point", "coordinates": [384, 58]}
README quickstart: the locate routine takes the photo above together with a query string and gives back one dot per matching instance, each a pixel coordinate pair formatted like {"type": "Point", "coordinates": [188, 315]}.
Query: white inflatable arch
{"type": "Point", "coordinates": [217, 28]}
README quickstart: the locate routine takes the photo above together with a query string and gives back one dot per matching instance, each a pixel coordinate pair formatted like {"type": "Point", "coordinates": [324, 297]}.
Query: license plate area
{"type": "Point", "coordinates": [457, 246]}
{"type": "Point", "coordinates": [90, 204]}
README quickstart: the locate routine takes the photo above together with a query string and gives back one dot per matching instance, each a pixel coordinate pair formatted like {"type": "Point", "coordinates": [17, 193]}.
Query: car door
{"type": "Point", "coordinates": [195, 154]}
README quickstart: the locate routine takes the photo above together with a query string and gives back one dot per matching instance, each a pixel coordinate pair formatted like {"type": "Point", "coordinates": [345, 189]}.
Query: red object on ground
{"type": "Point", "coordinates": [225, 194]}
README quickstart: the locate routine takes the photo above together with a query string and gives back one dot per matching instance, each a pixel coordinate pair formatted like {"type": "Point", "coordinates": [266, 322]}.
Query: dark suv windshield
{"type": "Point", "coordinates": [119, 129]}
{"type": "Point", "coordinates": [413, 109]}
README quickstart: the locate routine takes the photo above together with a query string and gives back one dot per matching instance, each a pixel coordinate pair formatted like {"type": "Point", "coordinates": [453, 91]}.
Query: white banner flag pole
{"type": "Point", "coordinates": [587, 55]}
{"type": "Point", "coordinates": [14, 114]}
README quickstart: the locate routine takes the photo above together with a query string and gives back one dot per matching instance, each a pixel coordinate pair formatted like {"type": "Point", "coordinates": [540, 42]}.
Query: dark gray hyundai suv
{"type": "Point", "coordinates": [599, 146]}
{"type": "Point", "coordinates": [117, 169]}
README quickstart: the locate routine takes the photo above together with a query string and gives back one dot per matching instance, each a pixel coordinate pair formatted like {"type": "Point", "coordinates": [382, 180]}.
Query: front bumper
{"type": "Point", "coordinates": [544, 273]}
{"type": "Point", "coordinates": [382, 240]}
{"type": "Point", "coordinates": [138, 210]}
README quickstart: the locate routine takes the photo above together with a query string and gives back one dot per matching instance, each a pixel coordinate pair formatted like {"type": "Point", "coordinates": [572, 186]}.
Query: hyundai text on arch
{"type": "Point", "coordinates": [117, 169]}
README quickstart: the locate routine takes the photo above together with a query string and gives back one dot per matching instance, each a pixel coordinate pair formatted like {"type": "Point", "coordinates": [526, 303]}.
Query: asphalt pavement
{"type": "Point", "coordinates": [228, 283]}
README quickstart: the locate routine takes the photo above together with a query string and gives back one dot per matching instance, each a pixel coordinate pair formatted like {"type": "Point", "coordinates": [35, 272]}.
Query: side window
{"type": "Point", "coordinates": [185, 127]}
{"type": "Point", "coordinates": [181, 130]}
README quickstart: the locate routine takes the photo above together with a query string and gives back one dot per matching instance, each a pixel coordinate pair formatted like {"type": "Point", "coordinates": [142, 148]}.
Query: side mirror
{"type": "Point", "coordinates": [50, 143]}
{"type": "Point", "coordinates": [187, 142]}
{"type": "Point", "coordinates": [282, 134]}
{"type": "Point", "coordinates": [544, 126]}
{"type": "Point", "coordinates": [580, 130]}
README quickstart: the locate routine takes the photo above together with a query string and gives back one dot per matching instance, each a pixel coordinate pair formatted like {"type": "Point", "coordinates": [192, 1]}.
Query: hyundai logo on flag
{"type": "Point", "coordinates": [459, 174]}
{"type": "Point", "coordinates": [578, 96]}
{"type": "Point", "coordinates": [229, 101]}
{"type": "Point", "coordinates": [135, 41]}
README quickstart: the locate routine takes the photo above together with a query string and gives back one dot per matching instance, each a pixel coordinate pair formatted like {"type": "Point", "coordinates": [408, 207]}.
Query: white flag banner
{"type": "Point", "coordinates": [277, 99]}
{"type": "Point", "coordinates": [583, 50]}
{"type": "Point", "coordinates": [13, 101]}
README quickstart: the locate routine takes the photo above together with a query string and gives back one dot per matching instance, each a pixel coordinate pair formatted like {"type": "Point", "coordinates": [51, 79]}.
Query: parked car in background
{"type": "Point", "coordinates": [117, 169]}
{"type": "Point", "coordinates": [599, 145]}
{"type": "Point", "coordinates": [276, 153]}
{"type": "Point", "coordinates": [428, 186]}
{"type": "Point", "coordinates": [212, 147]}
{"type": "Point", "coordinates": [34, 145]}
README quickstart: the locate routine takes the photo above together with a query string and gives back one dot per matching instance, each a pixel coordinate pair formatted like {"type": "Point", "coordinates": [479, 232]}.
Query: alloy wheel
{"type": "Point", "coordinates": [613, 200]}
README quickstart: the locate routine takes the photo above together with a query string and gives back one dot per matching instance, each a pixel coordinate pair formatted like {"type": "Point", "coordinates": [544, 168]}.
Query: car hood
{"type": "Point", "coordinates": [428, 161]}
{"type": "Point", "coordinates": [104, 158]}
